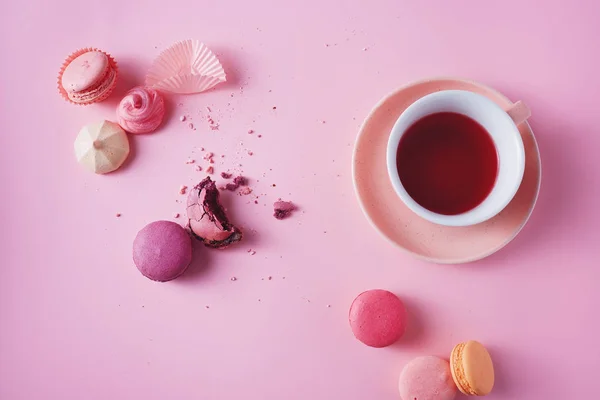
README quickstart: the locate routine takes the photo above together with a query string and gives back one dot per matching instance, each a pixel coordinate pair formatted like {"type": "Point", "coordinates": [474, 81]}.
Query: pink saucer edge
{"type": "Point", "coordinates": [389, 239]}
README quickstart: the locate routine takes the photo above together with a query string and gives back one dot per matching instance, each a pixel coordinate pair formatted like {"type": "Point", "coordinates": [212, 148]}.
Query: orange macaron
{"type": "Point", "coordinates": [472, 368]}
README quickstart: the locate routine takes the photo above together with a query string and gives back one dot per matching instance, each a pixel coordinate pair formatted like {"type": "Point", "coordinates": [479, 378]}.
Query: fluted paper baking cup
{"type": "Point", "coordinates": [185, 67]}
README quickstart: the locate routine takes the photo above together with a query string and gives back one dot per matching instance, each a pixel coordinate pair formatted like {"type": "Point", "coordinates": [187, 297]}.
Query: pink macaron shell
{"type": "Point", "coordinates": [162, 250]}
{"type": "Point", "coordinates": [377, 318]}
{"type": "Point", "coordinates": [84, 71]}
{"type": "Point", "coordinates": [87, 76]}
{"type": "Point", "coordinates": [427, 378]}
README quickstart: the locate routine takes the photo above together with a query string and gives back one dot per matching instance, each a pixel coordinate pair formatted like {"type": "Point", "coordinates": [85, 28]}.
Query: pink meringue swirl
{"type": "Point", "coordinates": [141, 110]}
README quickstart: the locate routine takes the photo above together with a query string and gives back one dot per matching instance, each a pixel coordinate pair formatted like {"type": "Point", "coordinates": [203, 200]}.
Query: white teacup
{"type": "Point", "coordinates": [501, 125]}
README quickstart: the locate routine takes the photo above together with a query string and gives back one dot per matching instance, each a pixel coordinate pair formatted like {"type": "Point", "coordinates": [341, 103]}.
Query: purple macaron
{"type": "Point", "coordinates": [162, 251]}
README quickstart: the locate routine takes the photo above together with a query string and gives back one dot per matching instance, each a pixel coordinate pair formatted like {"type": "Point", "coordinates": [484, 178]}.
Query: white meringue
{"type": "Point", "coordinates": [102, 147]}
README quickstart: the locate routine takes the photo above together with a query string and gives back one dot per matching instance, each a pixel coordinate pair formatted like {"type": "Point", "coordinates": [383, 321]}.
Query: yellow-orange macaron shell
{"type": "Point", "coordinates": [472, 368]}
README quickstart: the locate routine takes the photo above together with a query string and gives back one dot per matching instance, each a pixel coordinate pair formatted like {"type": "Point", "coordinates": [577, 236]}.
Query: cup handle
{"type": "Point", "coordinates": [519, 112]}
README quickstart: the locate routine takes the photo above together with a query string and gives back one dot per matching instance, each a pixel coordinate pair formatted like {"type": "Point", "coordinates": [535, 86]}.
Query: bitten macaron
{"type": "Point", "coordinates": [472, 368]}
{"type": "Point", "coordinates": [87, 76]}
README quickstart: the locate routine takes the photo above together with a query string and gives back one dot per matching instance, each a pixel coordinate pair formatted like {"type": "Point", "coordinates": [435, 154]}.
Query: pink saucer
{"type": "Point", "coordinates": [389, 215]}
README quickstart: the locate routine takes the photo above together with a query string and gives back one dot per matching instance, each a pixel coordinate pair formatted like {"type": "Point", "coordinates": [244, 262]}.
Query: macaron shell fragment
{"type": "Point", "coordinates": [472, 368]}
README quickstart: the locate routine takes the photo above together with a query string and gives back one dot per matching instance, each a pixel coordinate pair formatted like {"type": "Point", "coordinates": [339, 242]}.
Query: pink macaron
{"type": "Point", "coordinates": [162, 250]}
{"type": "Point", "coordinates": [427, 378]}
{"type": "Point", "coordinates": [377, 318]}
{"type": "Point", "coordinates": [87, 76]}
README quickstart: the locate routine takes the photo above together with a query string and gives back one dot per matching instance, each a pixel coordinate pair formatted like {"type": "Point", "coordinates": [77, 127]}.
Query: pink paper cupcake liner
{"type": "Point", "coordinates": [185, 67]}
{"type": "Point", "coordinates": [73, 56]}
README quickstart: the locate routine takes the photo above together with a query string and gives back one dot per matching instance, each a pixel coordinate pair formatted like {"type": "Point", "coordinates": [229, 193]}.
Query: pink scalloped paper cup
{"type": "Point", "coordinates": [107, 91]}
{"type": "Point", "coordinates": [185, 67]}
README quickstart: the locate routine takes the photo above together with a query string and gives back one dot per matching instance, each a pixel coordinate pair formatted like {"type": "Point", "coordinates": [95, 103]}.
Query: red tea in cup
{"type": "Point", "coordinates": [447, 162]}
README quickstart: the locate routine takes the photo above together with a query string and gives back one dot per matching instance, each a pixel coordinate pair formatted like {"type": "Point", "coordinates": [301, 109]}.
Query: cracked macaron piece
{"type": "Point", "coordinates": [162, 251]}
{"type": "Point", "coordinates": [377, 318]}
{"type": "Point", "coordinates": [472, 368]}
{"type": "Point", "coordinates": [207, 219]}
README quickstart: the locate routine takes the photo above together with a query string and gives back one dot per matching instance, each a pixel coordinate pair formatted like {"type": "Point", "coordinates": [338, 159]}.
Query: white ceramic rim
{"type": "Point", "coordinates": [418, 256]}
{"type": "Point", "coordinates": [501, 128]}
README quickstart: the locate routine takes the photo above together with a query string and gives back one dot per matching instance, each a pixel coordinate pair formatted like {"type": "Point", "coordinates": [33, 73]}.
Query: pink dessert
{"type": "Point", "coordinates": [427, 378]}
{"type": "Point", "coordinates": [162, 251]}
{"type": "Point", "coordinates": [377, 318]}
{"type": "Point", "coordinates": [207, 218]}
{"type": "Point", "coordinates": [87, 76]}
{"type": "Point", "coordinates": [141, 110]}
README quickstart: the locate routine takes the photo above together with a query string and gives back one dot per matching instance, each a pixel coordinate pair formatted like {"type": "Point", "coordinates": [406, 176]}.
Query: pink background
{"type": "Point", "coordinates": [77, 320]}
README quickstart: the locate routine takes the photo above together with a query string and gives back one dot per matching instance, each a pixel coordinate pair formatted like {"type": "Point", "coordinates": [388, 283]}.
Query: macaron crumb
{"type": "Point", "coordinates": [190, 161]}
{"type": "Point", "coordinates": [245, 191]}
{"type": "Point", "coordinates": [118, 215]}
{"type": "Point", "coordinates": [240, 180]}
{"type": "Point", "coordinates": [233, 279]}
{"type": "Point", "coordinates": [250, 131]}
{"type": "Point", "coordinates": [176, 215]}
{"type": "Point", "coordinates": [183, 189]}
{"type": "Point", "coordinates": [250, 153]}
{"type": "Point", "coordinates": [225, 175]}
{"type": "Point", "coordinates": [182, 118]}
{"type": "Point", "coordinates": [283, 209]}
{"type": "Point", "coordinates": [210, 170]}
{"type": "Point", "coordinates": [198, 168]}
{"type": "Point", "coordinates": [191, 126]}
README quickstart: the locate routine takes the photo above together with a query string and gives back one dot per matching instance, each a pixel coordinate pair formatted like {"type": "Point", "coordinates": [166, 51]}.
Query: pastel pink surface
{"type": "Point", "coordinates": [403, 227]}
{"type": "Point", "coordinates": [427, 378]}
{"type": "Point", "coordinates": [162, 251]}
{"type": "Point", "coordinates": [73, 307]}
{"type": "Point", "coordinates": [377, 318]}
{"type": "Point", "coordinates": [84, 71]}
